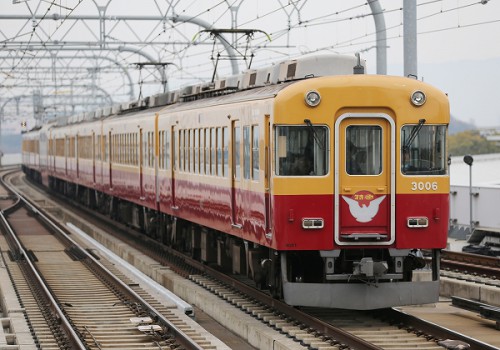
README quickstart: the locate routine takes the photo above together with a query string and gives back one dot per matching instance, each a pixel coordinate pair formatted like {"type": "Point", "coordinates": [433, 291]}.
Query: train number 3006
{"type": "Point", "coordinates": [424, 186]}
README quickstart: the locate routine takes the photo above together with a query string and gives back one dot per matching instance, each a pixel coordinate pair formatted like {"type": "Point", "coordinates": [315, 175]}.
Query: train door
{"type": "Point", "coordinates": [110, 155]}
{"type": "Point", "coordinates": [364, 179]}
{"type": "Point", "coordinates": [142, 151]}
{"type": "Point", "coordinates": [54, 152]}
{"type": "Point", "coordinates": [93, 157]}
{"type": "Point", "coordinates": [267, 171]}
{"type": "Point", "coordinates": [66, 153]}
{"type": "Point", "coordinates": [235, 171]}
{"type": "Point", "coordinates": [175, 153]}
{"type": "Point", "coordinates": [77, 156]}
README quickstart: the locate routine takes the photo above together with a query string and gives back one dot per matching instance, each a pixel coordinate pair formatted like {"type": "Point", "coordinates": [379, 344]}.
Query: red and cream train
{"type": "Point", "coordinates": [318, 184]}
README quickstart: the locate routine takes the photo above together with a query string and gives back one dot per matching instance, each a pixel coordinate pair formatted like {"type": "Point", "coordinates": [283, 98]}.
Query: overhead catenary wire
{"type": "Point", "coordinates": [193, 63]}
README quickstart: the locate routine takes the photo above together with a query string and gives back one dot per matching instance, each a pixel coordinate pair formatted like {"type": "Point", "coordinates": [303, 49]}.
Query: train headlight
{"type": "Point", "coordinates": [313, 98]}
{"type": "Point", "coordinates": [418, 98]}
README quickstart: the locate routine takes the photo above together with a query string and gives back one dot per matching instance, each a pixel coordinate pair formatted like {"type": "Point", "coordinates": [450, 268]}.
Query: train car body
{"type": "Point", "coordinates": [316, 184]}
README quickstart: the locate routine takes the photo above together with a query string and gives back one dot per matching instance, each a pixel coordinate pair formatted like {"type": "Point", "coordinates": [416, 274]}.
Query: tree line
{"type": "Point", "coordinates": [470, 142]}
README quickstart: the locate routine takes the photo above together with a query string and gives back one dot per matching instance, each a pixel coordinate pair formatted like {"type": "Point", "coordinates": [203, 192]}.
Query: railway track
{"type": "Point", "coordinates": [311, 329]}
{"type": "Point", "coordinates": [70, 299]}
{"type": "Point", "coordinates": [474, 264]}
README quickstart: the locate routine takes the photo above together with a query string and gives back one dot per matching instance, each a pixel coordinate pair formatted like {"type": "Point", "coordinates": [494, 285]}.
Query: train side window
{"type": "Point", "coordinates": [181, 150]}
{"type": "Point", "coordinates": [423, 150]}
{"type": "Point", "coordinates": [120, 148]}
{"type": "Point", "coordinates": [364, 150]}
{"type": "Point", "coordinates": [213, 145]}
{"type": "Point", "coordinates": [219, 152]}
{"type": "Point", "coordinates": [166, 152]}
{"type": "Point", "coordinates": [192, 150]}
{"type": "Point", "coordinates": [202, 151]}
{"type": "Point", "coordinates": [255, 152]}
{"type": "Point", "coordinates": [113, 152]}
{"type": "Point", "coordinates": [132, 149]}
{"type": "Point", "coordinates": [60, 147]}
{"type": "Point", "coordinates": [135, 149]}
{"type": "Point", "coordinates": [105, 143]}
{"type": "Point", "coordinates": [150, 149]}
{"type": "Point", "coordinates": [161, 134]}
{"type": "Point", "coordinates": [246, 152]}
{"type": "Point", "coordinates": [236, 151]}
{"type": "Point", "coordinates": [175, 154]}
{"type": "Point", "coordinates": [186, 151]}
{"type": "Point", "coordinates": [225, 151]}
{"type": "Point", "coordinates": [145, 151]}
{"type": "Point", "coordinates": [196, 151]}
{"type": "Point", "coordinates": [117, 148]}
{"type": "Point", "coordinates": [125, 148]}
{"type": "Point", "coordinates": [207, 151]}
{"type": "Point", "coordinates": [301, 150]}
{"type": "Point", "coordinates": [110, 147]}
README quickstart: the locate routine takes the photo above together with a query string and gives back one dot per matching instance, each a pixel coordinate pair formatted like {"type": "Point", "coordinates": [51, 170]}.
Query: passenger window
{"type": "Point", "coordinates": [196, 151]}
{"type": "Point", "coordinates": [167, 149]}
{"type": "Point", "coordinates": [213, 147]}
{"type": "Point", "coordinates": [219, 152]}
{"type": "Point", "coordinates": [364, 150]}
{"type": "Point", "coordinates": [255, 152]}
{"type": "Point", "coordinates": [236, 151]}
{"type": "Point", "coordinates": [246, 152]}
{"type": "Point", "coordinates": [202, 151]}
{"type": "Point", "coordinates": [225, 137]}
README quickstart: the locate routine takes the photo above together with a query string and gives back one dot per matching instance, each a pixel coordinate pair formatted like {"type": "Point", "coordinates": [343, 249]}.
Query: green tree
{"type": "Point", "coordinates": [470, 142]}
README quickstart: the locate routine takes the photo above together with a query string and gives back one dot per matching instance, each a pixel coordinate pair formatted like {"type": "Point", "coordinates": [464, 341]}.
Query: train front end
{"type": "Point", "coordinates": [359, 188]}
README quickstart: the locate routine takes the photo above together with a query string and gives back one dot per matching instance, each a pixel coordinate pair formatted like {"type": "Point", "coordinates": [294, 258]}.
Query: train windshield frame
{"type": "Point", "coordinates": [423, 150]}
{"type": "Point", "coordinates": [301, 150]}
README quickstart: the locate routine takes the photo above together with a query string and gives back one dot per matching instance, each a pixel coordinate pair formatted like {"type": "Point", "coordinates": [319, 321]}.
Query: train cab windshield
{"type": "Point", "coordinates": [424, 150]}
{"type": "Point", "coordinates": [301, 150]}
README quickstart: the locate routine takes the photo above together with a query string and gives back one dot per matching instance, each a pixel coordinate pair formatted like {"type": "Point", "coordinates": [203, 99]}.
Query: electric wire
{"type": "Point", "coordinates": [171, 29]}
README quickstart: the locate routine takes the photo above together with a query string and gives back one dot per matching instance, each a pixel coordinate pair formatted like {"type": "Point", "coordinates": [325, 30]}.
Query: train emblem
{"type": "Point", "coordinates": [363, 205]}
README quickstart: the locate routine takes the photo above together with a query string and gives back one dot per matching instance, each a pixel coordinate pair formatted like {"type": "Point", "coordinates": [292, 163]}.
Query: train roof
{"type": "Point", "coordinates": [250, 85]}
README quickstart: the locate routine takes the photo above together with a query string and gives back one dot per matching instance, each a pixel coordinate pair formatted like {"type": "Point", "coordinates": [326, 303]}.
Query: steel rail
{"type": "Point", "coordinates": [64, 323]}
{"type": "Point", "coordinates": [326, 329]}
{"type": "Point", "coordinates": [472, 263]}
{"type": "Point", "coordinates": [436, 330]}
{"type": "Point", "coordinates": [182, 338]}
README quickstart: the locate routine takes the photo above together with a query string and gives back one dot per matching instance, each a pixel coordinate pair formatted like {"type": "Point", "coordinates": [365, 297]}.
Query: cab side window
{"type": "Point", "coordinates": [301, 150]}
{"type": "Point", "coordinates": [423, 150]}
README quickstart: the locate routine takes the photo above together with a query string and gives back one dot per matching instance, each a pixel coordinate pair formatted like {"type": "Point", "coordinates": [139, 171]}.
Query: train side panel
{"type": "Point", "coordinates": [128, 161]}
{"type": "Point", "coordinates": [200, 183]}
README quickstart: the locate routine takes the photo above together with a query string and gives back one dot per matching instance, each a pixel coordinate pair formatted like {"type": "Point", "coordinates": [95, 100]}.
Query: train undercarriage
{"type": "Point", "coordinates": [286, 275]}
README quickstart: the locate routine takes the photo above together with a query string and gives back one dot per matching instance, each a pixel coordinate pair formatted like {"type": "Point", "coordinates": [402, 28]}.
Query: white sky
{"type": "Point", "coordinates": [458, 41]}
{"type": "Point", "coordinates": [463, 61]}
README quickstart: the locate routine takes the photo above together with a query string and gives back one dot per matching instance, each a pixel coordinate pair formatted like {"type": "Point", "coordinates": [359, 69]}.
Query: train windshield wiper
{"type": "Point", "coordinates": [315, 136]}
{"type": "Point", "coordinates": [413, 134]}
